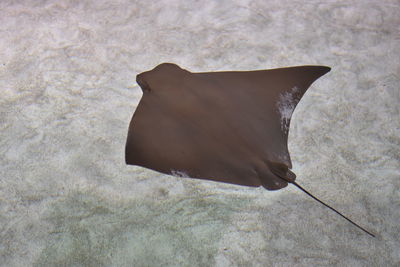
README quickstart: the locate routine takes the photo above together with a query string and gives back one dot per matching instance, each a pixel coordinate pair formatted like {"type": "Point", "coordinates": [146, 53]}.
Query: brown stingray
{"type": "Point", "coordinates": [223, 126]}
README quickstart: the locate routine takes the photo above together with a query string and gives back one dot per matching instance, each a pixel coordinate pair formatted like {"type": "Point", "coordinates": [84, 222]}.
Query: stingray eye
{"type": "Point", "coordinates": [145, 87]}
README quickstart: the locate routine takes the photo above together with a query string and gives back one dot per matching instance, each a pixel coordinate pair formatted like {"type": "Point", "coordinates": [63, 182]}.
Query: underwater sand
{"type": "Point", "coordinates": [68, 91]}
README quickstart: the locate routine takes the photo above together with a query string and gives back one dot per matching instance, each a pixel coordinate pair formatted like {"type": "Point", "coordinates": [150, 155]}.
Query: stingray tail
{"type": "Point", "coordinates": [305, 191]}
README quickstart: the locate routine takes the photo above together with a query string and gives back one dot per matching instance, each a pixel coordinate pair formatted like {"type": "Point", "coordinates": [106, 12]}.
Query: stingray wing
{"type": "Point", "coordinates": [223, 126]}
{"type": "Point", "coordinates": [262, 103]}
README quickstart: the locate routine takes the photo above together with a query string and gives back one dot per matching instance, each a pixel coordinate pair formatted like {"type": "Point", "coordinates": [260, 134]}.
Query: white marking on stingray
{"type": "Point", "coordinates": [286, 104]}
{"type": "Point", "coordinates": [178, 173]}
{"type": "Point", "coordinates": [283, 157]}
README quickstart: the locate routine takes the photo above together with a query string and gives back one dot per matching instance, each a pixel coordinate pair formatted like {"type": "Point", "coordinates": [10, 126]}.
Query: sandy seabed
{"type": "Point", "coordinates": [68, 91]}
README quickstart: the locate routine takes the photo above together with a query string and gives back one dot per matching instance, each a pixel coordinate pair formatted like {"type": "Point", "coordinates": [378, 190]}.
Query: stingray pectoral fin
{"type": "Point", "coordinates": [293, 83]}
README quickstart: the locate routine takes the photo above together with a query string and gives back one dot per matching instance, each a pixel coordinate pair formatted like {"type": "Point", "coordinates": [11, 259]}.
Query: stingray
{"type": "Point", "coordinates": [228, 126]}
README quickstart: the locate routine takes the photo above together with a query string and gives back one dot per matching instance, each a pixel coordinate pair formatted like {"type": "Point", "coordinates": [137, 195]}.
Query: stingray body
{"type": "Point", "coordinates": [229, 126]}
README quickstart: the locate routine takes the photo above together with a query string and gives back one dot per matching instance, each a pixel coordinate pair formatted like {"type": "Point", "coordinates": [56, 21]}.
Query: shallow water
{"type": "Point", "coordinates": [68, 91]}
